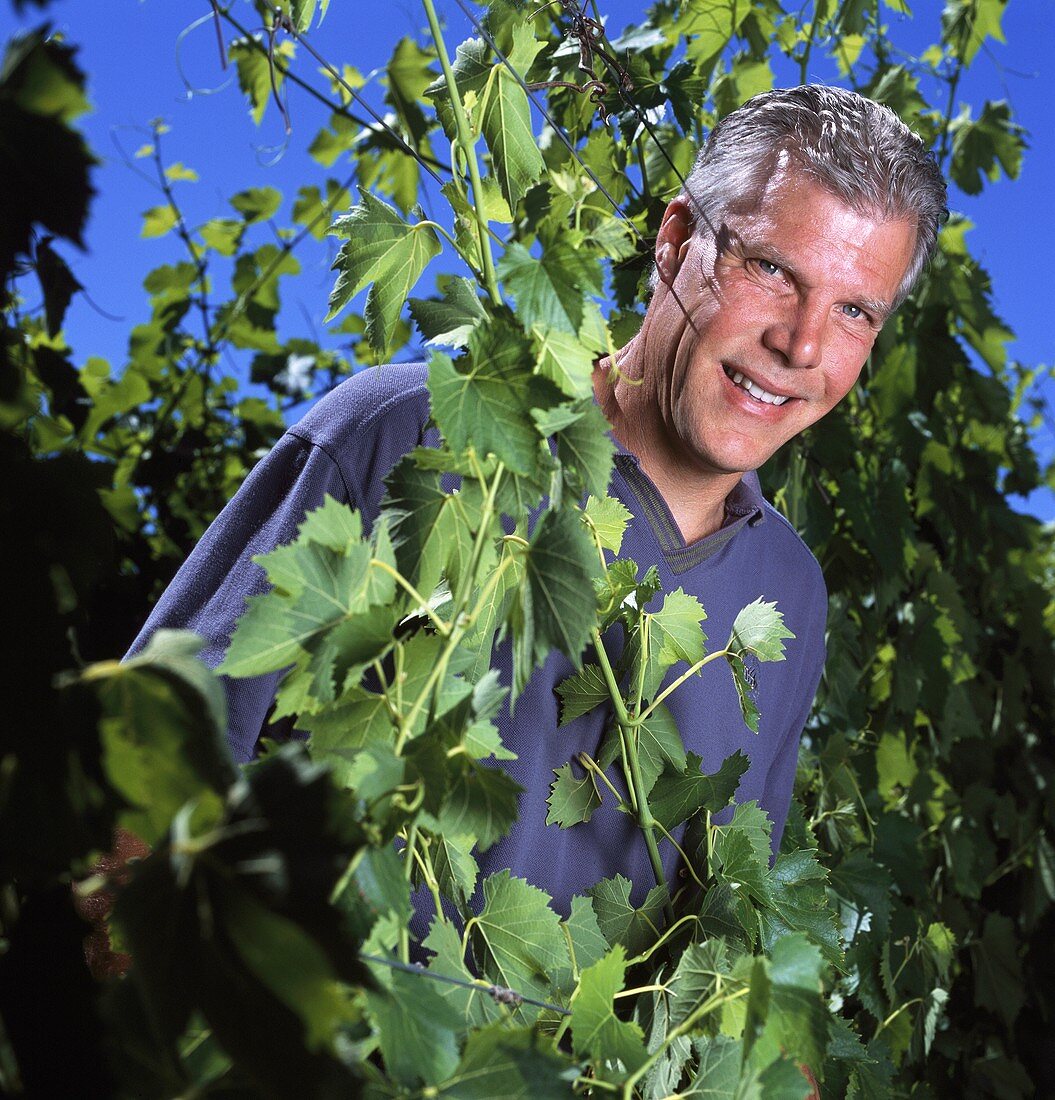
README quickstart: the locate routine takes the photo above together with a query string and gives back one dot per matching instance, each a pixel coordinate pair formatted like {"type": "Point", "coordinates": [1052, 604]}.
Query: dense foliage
{"type": "Point", "coordinates": [897, 946]}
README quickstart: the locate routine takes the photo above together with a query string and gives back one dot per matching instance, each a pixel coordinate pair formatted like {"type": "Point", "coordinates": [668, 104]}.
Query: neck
{"type": "Point", "coordinates": [694, 494]}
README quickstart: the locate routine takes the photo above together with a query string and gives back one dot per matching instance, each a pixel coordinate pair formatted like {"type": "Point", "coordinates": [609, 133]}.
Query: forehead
{"type": "Point", "coordinates": [822, 240]}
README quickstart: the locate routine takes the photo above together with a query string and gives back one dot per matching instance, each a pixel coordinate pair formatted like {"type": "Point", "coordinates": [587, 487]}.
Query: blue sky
{"type": "Point", "coordinates": [134, 51]}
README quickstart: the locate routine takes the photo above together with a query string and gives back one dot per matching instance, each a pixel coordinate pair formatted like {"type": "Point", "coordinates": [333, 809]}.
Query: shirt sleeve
{"type": "Point", "coordinates": [209, 592]}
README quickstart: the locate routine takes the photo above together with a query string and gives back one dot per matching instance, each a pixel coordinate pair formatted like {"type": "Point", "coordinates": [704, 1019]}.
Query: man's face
{"type": "Point", "coordinates": [785, 307]}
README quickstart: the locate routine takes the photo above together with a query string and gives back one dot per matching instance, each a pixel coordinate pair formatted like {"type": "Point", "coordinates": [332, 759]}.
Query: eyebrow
{"type": "Point", "coordinates": [879, 309]}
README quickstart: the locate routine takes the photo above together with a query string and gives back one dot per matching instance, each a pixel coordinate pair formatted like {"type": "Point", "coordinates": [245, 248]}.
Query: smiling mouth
{"type": "Point", "coordinates": [763, 397]}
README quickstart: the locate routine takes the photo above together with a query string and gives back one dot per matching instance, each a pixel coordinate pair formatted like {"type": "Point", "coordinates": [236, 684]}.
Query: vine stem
{"type": "Point", "coordinates": [468, 148]}
{"type": "Point", "coordinates": [628, 742]}
{"type": "Point", "coordinates": [460, 623]}
{"type": "Point", "coordinates": [692, 670]}
{"type": "Point", "coordinates": [413, 593]}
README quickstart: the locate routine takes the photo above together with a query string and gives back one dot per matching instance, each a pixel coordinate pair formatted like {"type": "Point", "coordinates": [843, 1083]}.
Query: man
{"type": "Point", "coordinates": [808, 216]}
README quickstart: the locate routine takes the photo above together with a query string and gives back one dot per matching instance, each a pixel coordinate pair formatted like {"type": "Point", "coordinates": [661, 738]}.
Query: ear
{"type": "Point", "coordinates": [672, 242]}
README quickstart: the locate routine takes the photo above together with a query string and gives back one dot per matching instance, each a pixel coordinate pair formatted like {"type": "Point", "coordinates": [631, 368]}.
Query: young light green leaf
{"type": "Point", "coordinates": [255, 71]}
{"type": "Point", "coordinates": [571, 799]}
{"type": "Point", "coordinates": [257, 204]}
{"type": "Point", "coordinates": [597, 1033]}
{"type": "Point", "coordinates": [674, 630]}
{"type": "Point", "coordinates": [677, 796]}
{"type": "Point", "coordinates": [563, 358]}
{"type": "Point", "coordinates": [159, 220]}
{"type": "Point", "coordinates": [759, 629]}
{"type": "Point", "coordinates": [382, 250]}
{"type": "Point", "coordinates": [579, 694]}
{"type": "Point", "coordinates": [608, 518]}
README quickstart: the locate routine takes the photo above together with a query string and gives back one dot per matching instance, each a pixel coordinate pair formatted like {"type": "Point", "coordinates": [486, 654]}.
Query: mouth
{"type": "Point", "coordinates": [753, 389]}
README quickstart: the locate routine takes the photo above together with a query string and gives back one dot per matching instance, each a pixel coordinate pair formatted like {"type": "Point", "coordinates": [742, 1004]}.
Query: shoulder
{"type": "Point", "coordinates": [801, 578]}
{"type": "Point", "coordinates": [375, 398]}
{"type": "Point", "coordinates": [796, 555]}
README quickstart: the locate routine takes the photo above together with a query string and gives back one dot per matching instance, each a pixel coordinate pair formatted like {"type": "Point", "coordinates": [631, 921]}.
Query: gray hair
{"type": "Point", "coordinates": [856, 149]}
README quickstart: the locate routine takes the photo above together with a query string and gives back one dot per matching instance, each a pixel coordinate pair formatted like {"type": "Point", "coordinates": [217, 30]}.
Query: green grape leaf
{"type": "Point", "coordinates": [159, 220]}
{"type": "Point", "coordinates": [797, 901]}
{"type": "Point", "coordinates": [745, 693]}
{"type": "Point", "coordinates": [659, 744]}
{"type": "Point", "coordinates": [571, 799]}
{"type": "Point", "coordinates": [564, 359]}
{"type": "Point", "coordinates": [257, 204]}
{"type": "Point", "coordinates": [454, 865]}
{"type": "Point", "coordinates": [587, 942]}
{"type": "Point", "coordinates": [291, 964]}
{"type": "Point", "coordinates": [980, 148]}
{"type": "Point", "coordinates": [554, 608]}
{"type": "Point", "coordinates": [579, 694]}
{"type": "Point", "coordinates": [676, 796]}
{"type": "Point", "coordinates": [998, 969]}
{"type": "Point", "coordinates": [386, 252]}
{"type": "Point", "coordinates": [486, 401]}
{"type": "Point", "coordinates": [796, 1022]}
{"type": "Point", "coordinates": [717, 1075]}
{"type": "Point", "coordinates": [433, 531]}
{"type": "Point", "coordinates": [162, 731]}
{"type": "Point", "coordinates": [518, 938]}
{"type": "Point", "coordinates": [482, 801]}
{"type": "Point", "coordinates": [506, 122]}
{"type": "Point", "coordinates": [274, 629]}
{"type": "Point", "coordinates": [333, 525]}
{"type": "Point", "coordinates": [57, 283]}
{"type": "Point", "coordinates": [510, 1062]}
{"type": "Point", "coordinates": [608, 518]}
{"type": "Point", "coordinates": [585, 449]}
{"type": "Point", "coordinates": [449, 321]}
{"type": "Point", "coordinates": [597, 1033]}
{"type": "Point", "coordinates": [674, 630]}
{"type": "Point", "coordinates": [255, 70]}
{"type": "Point", "coordinates": [417, 1029]}
{"type": "Point", "coordinates": [699, 973]}
{"type": "Point", "coordinates": [619, 921]}
{"type": "Point", "coordinates": [549, 291]}
{"type": "Point", "coordinates": [759, 629]}
{"type": "Point", "coordinates": [474, 1007]}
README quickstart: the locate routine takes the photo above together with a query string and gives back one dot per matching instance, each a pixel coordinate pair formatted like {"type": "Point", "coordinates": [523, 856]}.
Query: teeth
{"type": "Point", "coordinates": [755, 390]}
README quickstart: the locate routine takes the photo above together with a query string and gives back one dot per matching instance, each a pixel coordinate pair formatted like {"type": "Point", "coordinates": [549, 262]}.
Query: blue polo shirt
{"type": "Point", "coordinates": [346, 445]}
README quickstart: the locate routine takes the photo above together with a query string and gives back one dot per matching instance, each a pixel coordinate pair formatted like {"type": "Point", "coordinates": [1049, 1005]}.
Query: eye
{"type": "Point", "coordinates": [767, 267]}
{"type": "Point", "coordinates": [853, 312]}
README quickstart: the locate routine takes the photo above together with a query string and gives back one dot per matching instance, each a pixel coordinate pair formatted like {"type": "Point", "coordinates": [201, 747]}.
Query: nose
{"type": "Point", "coordinates": [797, 334]}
